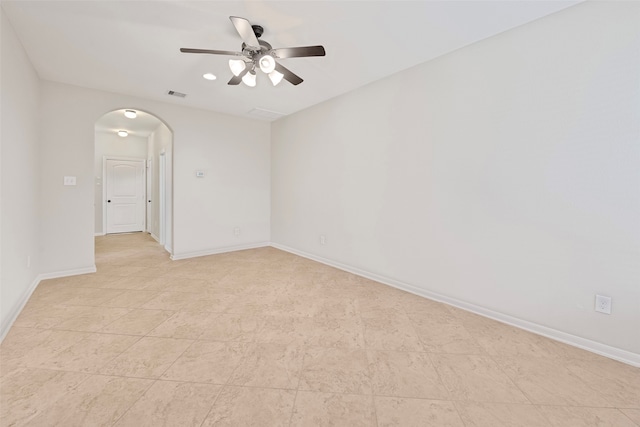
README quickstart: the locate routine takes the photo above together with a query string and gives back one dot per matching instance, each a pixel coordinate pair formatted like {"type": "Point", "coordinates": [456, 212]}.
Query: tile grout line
{"type": "Point", "coordinates": [511, 380]}
{"type": "Point", "coordinates": [212, 405]}
{"type": "Point", "coordinates": [295, 398]}
{"type": "Point", "coordinates": [134, 403]}
{"type": "Point", "coordinates": [626, 416]}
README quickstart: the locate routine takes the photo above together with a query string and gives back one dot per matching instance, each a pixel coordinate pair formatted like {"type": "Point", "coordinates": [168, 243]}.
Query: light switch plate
{"type": "Point", "coordinates": [69, 180]}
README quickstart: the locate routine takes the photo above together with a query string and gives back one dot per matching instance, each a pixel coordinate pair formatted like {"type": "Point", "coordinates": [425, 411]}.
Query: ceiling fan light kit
{"type": "Point", "coordinates": [267, 64]}
{"type": "Point", "coordinates": [259, 54]}
{"type": "Point", "coordinates": [237, 66]}
{"type": "Point", "coordinates": [275, 77]}
{"type": "Point", "coordinates": [249, 79]}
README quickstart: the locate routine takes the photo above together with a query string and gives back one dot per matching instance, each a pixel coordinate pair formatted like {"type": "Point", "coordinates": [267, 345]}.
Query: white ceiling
{"type": "Point", "coordinates": [143, 125]}
{"type": "Point", "coordinates": [132, 47]}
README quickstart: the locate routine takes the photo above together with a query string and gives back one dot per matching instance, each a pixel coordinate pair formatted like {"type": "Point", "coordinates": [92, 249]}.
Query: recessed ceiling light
{"type": "Point", "coordinates": [130, 114]}
{"type": "Point", "coordinates": [209, 76]}
{"type": "Point", "coordinates": [123, 133]}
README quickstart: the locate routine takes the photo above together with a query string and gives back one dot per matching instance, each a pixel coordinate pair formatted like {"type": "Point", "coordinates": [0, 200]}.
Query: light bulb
{"type": "Point", "coordinates": [250, 78]}
{"type": "Point", "coordinates": [237, 66]}
{"type": "Point", "coordinates": [276, 77]}
{"type": "Point", "coordinates": [123, 133]}
{"type": "Point", "coordinates": [209, 76]}
{"type": "Point", "coordinates": [130, 114]}
{"type": "Point", "coordinates": [267, 64]}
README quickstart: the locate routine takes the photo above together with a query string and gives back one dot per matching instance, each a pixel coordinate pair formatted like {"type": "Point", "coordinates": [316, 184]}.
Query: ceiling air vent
{"type": "Point", "coordinates": [259, 113]}
{"type": "Point", "coordinates": [178, 94]}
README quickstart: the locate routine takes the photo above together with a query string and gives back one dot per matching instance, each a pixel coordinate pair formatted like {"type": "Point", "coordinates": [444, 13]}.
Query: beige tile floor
{"type": "Point", "coordinates": [262, 337]}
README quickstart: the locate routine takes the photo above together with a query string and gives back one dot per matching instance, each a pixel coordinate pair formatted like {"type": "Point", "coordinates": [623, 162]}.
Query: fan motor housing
{"type": "Point", "coordinates": [257, 30]}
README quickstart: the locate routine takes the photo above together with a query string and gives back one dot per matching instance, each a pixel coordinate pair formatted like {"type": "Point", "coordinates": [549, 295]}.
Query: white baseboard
{"type": "Point", "coordinates": [621, 355]}
{"type": "Point", "coordinates": [67, 273]}
{"type": "Point", "coordinates": [99, 234]}
{"type": "Point", "coordinates": [206, 252]}
{"type": "Point", "coordinates": [15, 312]}
{"type": "Point", "coordinates": [157, 239]}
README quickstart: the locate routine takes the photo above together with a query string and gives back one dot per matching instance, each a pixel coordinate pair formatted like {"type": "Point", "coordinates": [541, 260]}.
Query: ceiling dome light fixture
{"type": "Point", "coordinates": [250, 79]}
{"type": "Point", "coordinates": [123, 133]}
{"type": "Point", "coordinates": [130, 114]}
{"type": "Point", "coordinates": [267, 64]}
{"type": "Point", "coordinates": [237, 66]}
{"type": "Point", "coordinates": [209, 76]}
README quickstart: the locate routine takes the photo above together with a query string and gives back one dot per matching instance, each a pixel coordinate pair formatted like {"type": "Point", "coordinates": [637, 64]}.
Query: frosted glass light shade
{"type": "Point", "coordinates": [123, 133]}
{"type": "Point", "coordinates": [130, 114]}
{"type": "Point", "coordinates": [249, 79]}
{"type": "Point", "coordinates": [276, 77]}
{"type": "Point", "coordinates": [267, 64]}
{"type": "Point", "coordinates": [237, 66]}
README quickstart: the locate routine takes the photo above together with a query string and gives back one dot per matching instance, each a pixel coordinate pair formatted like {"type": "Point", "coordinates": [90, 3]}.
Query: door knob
{"type": "Point", "coordinates": [108, 201]}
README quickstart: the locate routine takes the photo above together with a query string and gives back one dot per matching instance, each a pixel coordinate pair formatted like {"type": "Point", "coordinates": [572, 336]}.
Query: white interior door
{"type": "Point", "coordinates": [125, 191]}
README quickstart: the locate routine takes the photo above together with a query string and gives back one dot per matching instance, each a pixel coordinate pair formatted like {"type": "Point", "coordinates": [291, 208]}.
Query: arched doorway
{"type": "Point", "coordinates": [133, 175]}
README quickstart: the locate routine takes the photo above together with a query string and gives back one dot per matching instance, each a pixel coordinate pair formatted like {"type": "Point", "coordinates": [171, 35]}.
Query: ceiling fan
{"type": "Point", "coordinates": [258, 54]}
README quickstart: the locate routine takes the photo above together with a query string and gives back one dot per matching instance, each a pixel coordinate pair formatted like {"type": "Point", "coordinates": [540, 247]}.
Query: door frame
{"type": "Point", "coordinates": [149, 189]}
{"type": "Point", "coordinates": [162, 196]}
{"type": "Point", "coordinates": [104, 187]}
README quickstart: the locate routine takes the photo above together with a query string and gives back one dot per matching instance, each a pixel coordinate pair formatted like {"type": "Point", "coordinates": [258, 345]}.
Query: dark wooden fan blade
{"type": "Point", "coordinates": [235, 80]}
{"type": "Point", "coordinates": [214, 52]}
{"type": "Point", "coordinates": [299, 52]}
{"type": "Point", "coordinates": [288, 75]}
{"type": "Point", "coordinates": [243, 27]}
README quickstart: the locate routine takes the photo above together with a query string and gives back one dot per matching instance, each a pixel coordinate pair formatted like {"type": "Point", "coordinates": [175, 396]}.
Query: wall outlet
{"type": "Point", "coordinates": [603, 304]}
{"type": "Point", "coordinates": [323, 239]}
{"type": "Point", "coordinates": [236, 231]}
{"type": "Point", "coordinates": [69, 180]}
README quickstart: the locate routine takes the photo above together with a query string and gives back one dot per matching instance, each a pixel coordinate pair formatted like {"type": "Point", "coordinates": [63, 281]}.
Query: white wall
{"type": "Point", "coordinates": [19, 223]}
{"type": "Point", "coordinates": [235, 155]}
{"type": "Point", "coordinates": [504, 175]}
{"type": "Point", "coordinates": [110, 144]}
{"type": "Point", "coordinates": [235, 151]}
{"type": "Point", "coordinates": [161, 141]}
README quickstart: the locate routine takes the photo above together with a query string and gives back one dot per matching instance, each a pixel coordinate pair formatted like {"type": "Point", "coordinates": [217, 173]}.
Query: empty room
{"type": "Point", "coordinates": [320, 213]}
